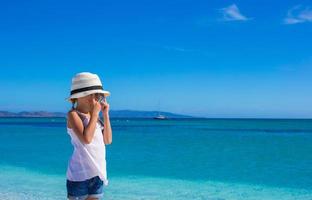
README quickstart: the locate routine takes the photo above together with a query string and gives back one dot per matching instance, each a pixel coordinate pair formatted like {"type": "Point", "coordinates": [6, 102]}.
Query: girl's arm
{"type": "Point", "coordinates": [86, 134]}
{"type": "Point", "coordinates": [107, 131]}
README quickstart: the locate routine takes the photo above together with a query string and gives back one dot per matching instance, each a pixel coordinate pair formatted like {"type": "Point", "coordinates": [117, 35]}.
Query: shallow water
{"type": "Point", "coordinates": [172, 159]}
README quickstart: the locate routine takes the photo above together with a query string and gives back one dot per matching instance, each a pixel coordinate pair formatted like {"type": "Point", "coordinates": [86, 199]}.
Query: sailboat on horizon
{"type": "Point", "coordinates": [159, 116]}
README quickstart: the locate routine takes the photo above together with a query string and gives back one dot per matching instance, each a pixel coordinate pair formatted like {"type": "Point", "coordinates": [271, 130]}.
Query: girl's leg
{"type": "Point", "coordinates": [92, 198]}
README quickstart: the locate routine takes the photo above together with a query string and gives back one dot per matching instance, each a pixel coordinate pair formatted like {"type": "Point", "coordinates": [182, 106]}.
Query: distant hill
{"type": "Point", "coordinates": [143, 114]}
{"type": "Point", "coordinates": [31, 114]}
{"type": "Point", "coordinates": [113, 114]}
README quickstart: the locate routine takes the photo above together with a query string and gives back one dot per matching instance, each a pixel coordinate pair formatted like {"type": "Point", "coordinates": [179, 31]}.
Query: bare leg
{"type": "Point", "coordinates": [92, 198]}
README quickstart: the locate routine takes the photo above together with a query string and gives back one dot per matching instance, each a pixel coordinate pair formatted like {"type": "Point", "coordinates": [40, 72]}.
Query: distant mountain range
{"type": "Point", "coordinates": [113, 114]}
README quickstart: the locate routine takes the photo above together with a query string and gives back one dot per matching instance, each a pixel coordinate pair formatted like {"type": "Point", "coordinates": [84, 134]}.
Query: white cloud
{"type": "Point", "coordinates": [232, 13]}
{"type": "Point", "coordinates": [298, 14]}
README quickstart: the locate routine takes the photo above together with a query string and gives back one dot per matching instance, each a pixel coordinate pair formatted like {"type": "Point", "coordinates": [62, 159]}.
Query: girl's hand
{"type": "Point", "coordinates": [96, 107]}
{"type": "Point", "coordinates": [105, 107]}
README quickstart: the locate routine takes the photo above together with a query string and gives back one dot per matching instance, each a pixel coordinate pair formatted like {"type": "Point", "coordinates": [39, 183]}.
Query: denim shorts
{"type": "Point", "coordinates": [80, 190]}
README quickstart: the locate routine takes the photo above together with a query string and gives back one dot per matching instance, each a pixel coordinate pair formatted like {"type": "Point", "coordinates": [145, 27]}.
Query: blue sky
{"type": "Point", "coordinates": [203, 58]}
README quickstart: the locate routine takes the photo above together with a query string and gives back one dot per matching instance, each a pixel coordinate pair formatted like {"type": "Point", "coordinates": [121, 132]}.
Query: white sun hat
{"type": "Point", "coordinates": [86, 83]}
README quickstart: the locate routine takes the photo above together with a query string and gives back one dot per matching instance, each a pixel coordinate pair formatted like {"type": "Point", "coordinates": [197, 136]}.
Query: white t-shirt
{"type": "Point", "coordinates": [88, 160]}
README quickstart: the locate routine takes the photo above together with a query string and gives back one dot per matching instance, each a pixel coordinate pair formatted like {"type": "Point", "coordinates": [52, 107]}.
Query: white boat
{"type": "Point", "coordinates": [161, 117]}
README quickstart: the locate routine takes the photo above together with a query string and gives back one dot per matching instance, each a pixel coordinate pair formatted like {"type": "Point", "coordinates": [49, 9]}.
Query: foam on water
{"type": "Point", "coordinates": [19, 183]}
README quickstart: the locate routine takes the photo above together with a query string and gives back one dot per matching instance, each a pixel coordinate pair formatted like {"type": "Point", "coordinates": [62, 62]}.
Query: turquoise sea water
{"type": "Point", "coordinates": [210, 159]}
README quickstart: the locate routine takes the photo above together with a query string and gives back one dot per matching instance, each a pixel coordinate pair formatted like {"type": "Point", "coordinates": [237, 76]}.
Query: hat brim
{"type": "Point", "coordinates": [86, 93]}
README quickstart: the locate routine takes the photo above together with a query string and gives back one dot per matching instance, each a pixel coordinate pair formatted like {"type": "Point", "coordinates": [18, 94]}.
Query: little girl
{"type": "Point", "coordinates": [86, 172]}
